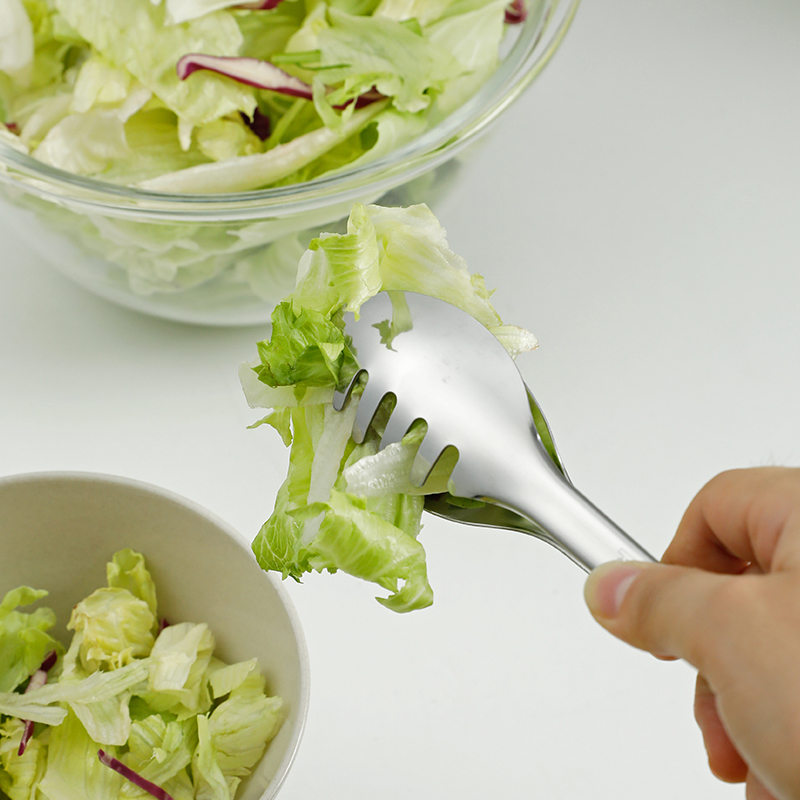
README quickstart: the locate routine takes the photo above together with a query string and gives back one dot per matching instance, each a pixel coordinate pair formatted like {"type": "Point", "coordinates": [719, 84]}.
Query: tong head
{"type": "Point", "coordinates": [439, 364]}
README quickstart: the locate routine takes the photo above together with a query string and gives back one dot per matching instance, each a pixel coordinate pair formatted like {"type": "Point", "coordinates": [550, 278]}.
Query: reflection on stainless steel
{"type": "Point", "coordinates": [445, 367]}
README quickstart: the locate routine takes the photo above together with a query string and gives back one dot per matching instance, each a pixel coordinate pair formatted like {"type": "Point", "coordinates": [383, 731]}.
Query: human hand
{"type": "Point", "coordinates": [726, 598]}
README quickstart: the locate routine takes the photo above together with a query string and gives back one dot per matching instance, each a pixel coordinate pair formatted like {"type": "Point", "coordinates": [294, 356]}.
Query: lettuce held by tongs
{"type": "Point", "coordinates": [347, 506]}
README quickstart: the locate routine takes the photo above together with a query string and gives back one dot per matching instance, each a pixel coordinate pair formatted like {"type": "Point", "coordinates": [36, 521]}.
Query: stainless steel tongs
{"type": "Point", "coordinates": [444, 367]}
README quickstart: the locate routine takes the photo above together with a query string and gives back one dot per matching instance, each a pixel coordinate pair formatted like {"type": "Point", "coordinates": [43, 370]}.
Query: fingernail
{"type": "Point", "coordinates": [606, 588]}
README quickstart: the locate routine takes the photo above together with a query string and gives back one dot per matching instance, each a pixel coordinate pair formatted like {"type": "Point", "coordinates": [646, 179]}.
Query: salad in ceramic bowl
{"type": "Point", "coordinates": [143, 653]}
{"type": "Point", "coordinates": [176, 156]}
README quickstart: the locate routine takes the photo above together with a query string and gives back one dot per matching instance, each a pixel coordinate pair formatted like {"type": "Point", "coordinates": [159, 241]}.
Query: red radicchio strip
{"type": "Point", "coordinates": [49, 661]}
{"type": "Point", "coordinates": [263, 5]}
{"type": "Point", "coordinates": [259, 74]}
{"type": "Point", "coordinates": [133, 776]}
{"type": "Point", "coordinates": [516, 12]}
{"type": "Point", "coordinates": [38, 679]}
{"type": "Point", "coordinates": [250, 71]}
{"type": "Point", "coordinates": [260, 124]}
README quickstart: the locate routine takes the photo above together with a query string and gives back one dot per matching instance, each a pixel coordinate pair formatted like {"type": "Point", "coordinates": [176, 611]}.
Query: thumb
{"type": "Point", "coordinates": [655, 607]}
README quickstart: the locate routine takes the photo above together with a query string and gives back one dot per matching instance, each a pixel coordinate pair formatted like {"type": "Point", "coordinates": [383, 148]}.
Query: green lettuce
{"type": "Point", "coordinates": [73, 770]}
{"type": "Point", "coordinates": [16, 40]}
{"type": "Point", "coordinates": [135, 37]}
{"type": "Point", "coordinates": [160, 749]}
{"type": "Point", "coordinates": [24, 637]}
{"type": "Point", "coordinates": [359, 53]}
{"type": "Point", "coordinates": [153, 697]}
{"type": "Point", "coordinates": [112, 627]}
{"type": "Point", "coordinates": [127, 570]}
{"type": "Point", "coordinates": [91, 86]}
{"type": "Point", "coordinates": [20, 775]}
{"type": "Point", "coordinates": [178, 666]}
{"type": "Point", "coordinates": [244, 720]}
{"type": "Point", "coordinates": [348, 506]}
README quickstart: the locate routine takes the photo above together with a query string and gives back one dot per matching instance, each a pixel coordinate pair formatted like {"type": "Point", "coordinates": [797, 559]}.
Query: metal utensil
{"type": "Point", "coordinates": [444, 367]}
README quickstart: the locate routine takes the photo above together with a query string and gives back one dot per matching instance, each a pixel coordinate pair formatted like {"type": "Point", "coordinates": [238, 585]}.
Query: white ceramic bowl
{"type": "Point", "coordinates": [227, 259]}
{"type": "Point", "coordinates": [58, 530]}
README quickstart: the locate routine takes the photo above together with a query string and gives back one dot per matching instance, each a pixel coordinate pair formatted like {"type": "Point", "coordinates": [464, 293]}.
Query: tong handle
{"type": "Point", "coordinates": [568, 520]}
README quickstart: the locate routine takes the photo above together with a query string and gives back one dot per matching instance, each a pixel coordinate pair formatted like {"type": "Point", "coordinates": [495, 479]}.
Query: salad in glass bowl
{"type": "Point", "coordinates": [176, 156]}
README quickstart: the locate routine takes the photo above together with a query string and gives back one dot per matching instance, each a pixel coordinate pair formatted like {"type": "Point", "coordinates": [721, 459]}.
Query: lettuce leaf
{"type": "Point", "coordinates": [177, 670]}
{"type": "Point", "coordinates": [308, 349]}
{"type": "Point", "coordinates": [157, 701]}
{"type": "Point", "coordinates": [380, 53]}
{"type": "Point", "coordinates": [114, 627]}
{"type": "Point", "coordinates": [20, 774]}
{"type": "Point", "coordinates": [245, 721]}
{"type": "Point", "coordinates": [82, 82]}
{"type": "Point", "coordinates": [347, 506]}
{"type": "Point", "coordinates": [209, 780]}
{"type": "Point", "coordinates": [160, 749]}
{"type": "Point", "coordinates": [16, 39]}
{"type": "Point", "coordinates": [73, 770]}
{"type": "Point", "coordinates": [133, 35]}
{"type": "Point", "coordinates": [24, 641]}
{"type": "Point", "coordinates": [127, 570]}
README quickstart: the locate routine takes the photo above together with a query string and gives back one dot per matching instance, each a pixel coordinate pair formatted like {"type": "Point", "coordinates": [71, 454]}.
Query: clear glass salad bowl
{"type": "Point", "coordinates": [227, 259]}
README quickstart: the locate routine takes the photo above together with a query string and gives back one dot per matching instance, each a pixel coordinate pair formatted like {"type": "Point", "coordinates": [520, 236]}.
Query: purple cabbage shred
{"type": "Point", "coordinates": [259, 123]}
{"type": "Point", "coordinates": [133, 776]}
{"type": "Point", "coordinates": [516, 12]}
{"type": "Point", "coordinates": [263, 5]}
{"type": "Point", "coordinates": [261, 75]}
{"type": "Point", "coordinates": [38, 679]}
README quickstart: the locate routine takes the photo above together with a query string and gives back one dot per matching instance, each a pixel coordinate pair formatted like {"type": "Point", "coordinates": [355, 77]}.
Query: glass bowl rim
{"type": "Point", "coordinates": [530, 53]}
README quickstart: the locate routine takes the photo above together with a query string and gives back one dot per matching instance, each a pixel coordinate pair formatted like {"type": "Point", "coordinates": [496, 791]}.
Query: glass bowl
{"type": "Point", "coordinates": [227, 259]}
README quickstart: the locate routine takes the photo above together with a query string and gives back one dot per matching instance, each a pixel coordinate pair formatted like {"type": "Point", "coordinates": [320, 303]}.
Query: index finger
{"type": "Point", "coordinates": [739, 520]}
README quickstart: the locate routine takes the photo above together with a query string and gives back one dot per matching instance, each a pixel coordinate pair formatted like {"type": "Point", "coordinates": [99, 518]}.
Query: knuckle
{"type": "Point", "coordinates": [722, 480]}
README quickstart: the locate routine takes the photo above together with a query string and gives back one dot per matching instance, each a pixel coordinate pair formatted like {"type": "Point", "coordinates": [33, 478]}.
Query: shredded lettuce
{"type": "Point", "coordinates": [152, 698]}
{"type": "Point", "coordinates": [244, 720]}
{"type": "Point", "coordinates": [73, 770]}
{"type": "Point", "coordinates": [89, 86]}
{"type": "Point", "coordinates": [16, 40]}
{"type": "Point", "coordinates": [93, 87]}
{"type": "Point", "coordinates": [20, 775]}
{"type": "Point", "coordinates": [160, 749]}
{"type": "Point", "coordinates": [347, 506]}
{"type": "Point", "coordinates": [24, 637]}
{"type": "Point", "coordinates": [113, 627]}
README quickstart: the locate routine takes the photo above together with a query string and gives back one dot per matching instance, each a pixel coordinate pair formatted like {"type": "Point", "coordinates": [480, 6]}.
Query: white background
{"type": "Point", "coordinates": [639, 209]}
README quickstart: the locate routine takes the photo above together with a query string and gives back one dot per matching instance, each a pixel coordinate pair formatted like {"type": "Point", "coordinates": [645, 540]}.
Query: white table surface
{"type": "Point", "coordinates": [639, 209]}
